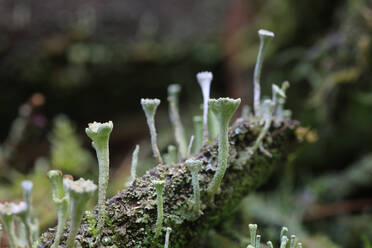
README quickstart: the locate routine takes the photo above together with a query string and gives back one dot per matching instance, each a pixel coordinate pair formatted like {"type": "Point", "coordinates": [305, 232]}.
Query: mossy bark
{"type": "Point", "coordinates": [131, 214]}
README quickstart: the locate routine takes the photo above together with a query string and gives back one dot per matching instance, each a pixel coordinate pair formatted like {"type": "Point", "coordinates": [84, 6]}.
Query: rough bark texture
{"type": "Point", "coordinates": [131, 214]}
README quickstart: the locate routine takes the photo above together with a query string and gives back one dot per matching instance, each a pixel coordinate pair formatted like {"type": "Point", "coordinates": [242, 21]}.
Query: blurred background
{"type": "Point", "coordinates": [64, 64]}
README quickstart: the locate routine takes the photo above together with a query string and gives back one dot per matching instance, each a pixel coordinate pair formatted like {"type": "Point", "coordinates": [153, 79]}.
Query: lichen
{"type": "Point", "coordinates": [132, 212]}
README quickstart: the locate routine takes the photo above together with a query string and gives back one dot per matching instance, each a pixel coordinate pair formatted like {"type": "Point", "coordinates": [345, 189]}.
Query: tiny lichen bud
{"type": "Point", "coordinates": [269, 244]}
{"type": "Point", "coordinates": [27, 189]}
{"type": "Point", "coordinates": [299, 245]}
{"type": "Point", "coordinates": [60, 200]}
{"type": "Point", "coordinates": [253, 231]}
{"type": "Point", "coordinates": [194, 167]}
{"type": "Point", "coordinates": [79, 192]}
{"type": "Point", "coordinates": [204, 80]}
{"type": "Point", "coordinates": [198, 132]}
{"type": "Point", "coordinates": [223, 109]}
{"type": "Point", "coordinates": [100, 135]}
{"type": "Point", "coordinates": [159, 185]}
{"type": "Point", "coordinates": [167, 234]}
{"type": "Point", "coordinates": [265, 37]}
{"type": "Point", "coordinates": [258, 241]}
{"type": "Point", "coordinates": [174, 114]}
{"type": "Point", "coordinates": [133, 169]}
{"type": "Point", "coordinates": [150, 106]}
{"type": "Point", "coordinates": [293, 241]}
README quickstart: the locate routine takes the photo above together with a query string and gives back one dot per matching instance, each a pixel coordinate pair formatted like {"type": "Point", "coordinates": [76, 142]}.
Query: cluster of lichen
{"type": "Point", "coordinates": [217, 114]}
{"type": "Point", "coordinates": [255, 239]}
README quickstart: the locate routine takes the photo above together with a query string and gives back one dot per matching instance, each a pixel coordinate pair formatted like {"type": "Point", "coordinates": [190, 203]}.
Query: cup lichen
{"type": "Point", "coordinates": [223, 109]}
{"type": "Point", "coordinates": [99, 133]}
{"type": "Point", "coordinates": [150, 106]}
{"type": "Point", "coordinates": [79, 192]}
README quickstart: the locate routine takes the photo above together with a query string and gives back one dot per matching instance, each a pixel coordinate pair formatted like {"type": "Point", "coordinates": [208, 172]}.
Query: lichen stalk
{"type": "Point", "coordinates": [79, 192]}
{"type": "Point", "coordinates": [100, 135]}
{"type": "Point", "coordinates": [60, 199]}
{"type": "Point", "coordinates": [32, 229]}
{"type": "Point", "coordinates": [204, 80]}
{"type": "Point", "coordinates": [179, 133]}
{"type": "Point", "coordinates": [265, 37]}
{"type": "Point", "coordinates": [293, 241]}
{"type": "Point", "coordinates": [189, 147]}
{"type": "Point", "coordinates": [133, 169]}
{"type": "Point", "coordinates": [223, 109]}
{"type": "Point", "coordinates": [8, 222]}
{"type": "Point", "coordinates": [150, 106]}
{"type": "Point", "coordinates": [24, 230]}
{"type": "Point", "coordinates": [167, 234]}
{"type": "Point", "coordinates": [159, 185]}
{"type": "Point", "coordinates": [198, 132]}
{"type": "Point", "coordinates": [194, 167]}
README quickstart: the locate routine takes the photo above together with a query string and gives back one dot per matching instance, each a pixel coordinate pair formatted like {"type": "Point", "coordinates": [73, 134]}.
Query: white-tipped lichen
{"type": "Point", "coordinates": [79, 192]}
{"type": "Point", "coordinates": [283, 242]}
{"type": "Point", "coordinates": [167, 234]}
{"type": "Point", "coordinates": [269, 244]}
{"type": "Point", "coordinates": [252, 233]}
{"type": "Point", "coordinates": [223, 109]}
{"type": "Point", "coordinates": [8, 211]}
{"type": "Point", "coordinates": [174, 115]}
{"type": "Point", "coordinates": [133, 169]}
{"type": "Point", "coordinates": [293, 241]}
{"type": "Point", "coordinates": [60, 199]}
{"type": "Point", "coordinates": [99, 133]}
{"type": "Point", "coordinates": [150, 106]}
{"type": "Point", "coordinates": [265, 37]}
{"type": "Point", "coordinates": [31, 224]}
{"type": "Point", "coordinates": [159, 185]}
{"type": "Point", "coordinates": [204, 80]}
{"type": "Point", "coordinates": [194, 168]}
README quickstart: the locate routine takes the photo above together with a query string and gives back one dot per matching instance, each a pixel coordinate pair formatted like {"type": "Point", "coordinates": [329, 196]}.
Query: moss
{"type": "Point", "coordinates": [131, 214]}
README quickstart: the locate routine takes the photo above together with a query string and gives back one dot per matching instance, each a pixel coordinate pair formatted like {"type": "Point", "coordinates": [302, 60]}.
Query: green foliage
{"type": "Point", "coordinates": [67, 153]}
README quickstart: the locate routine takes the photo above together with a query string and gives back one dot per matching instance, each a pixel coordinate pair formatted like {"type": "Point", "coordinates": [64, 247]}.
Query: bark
{"type": "Point", "coordinates": [131, 214]}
